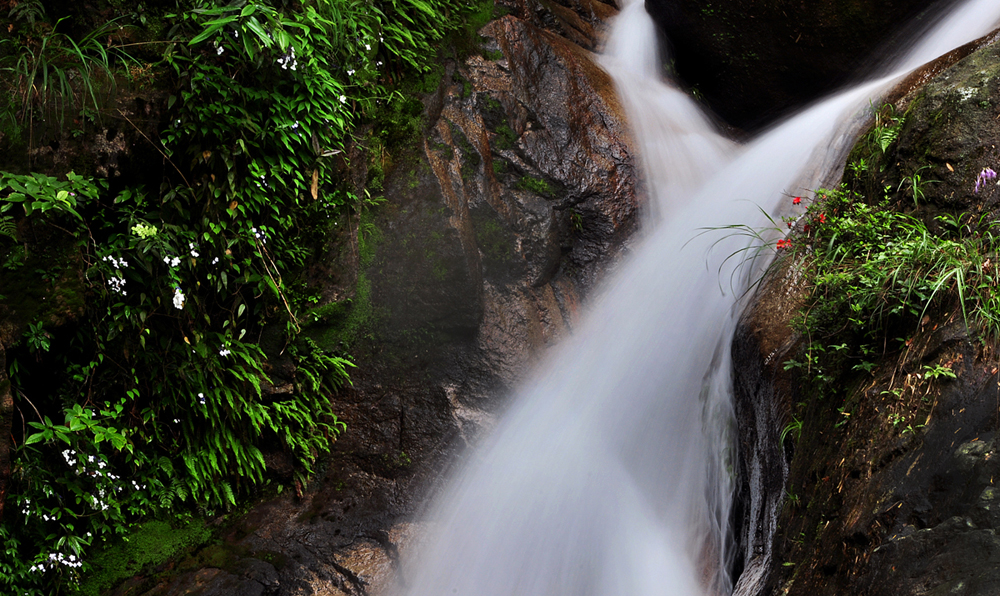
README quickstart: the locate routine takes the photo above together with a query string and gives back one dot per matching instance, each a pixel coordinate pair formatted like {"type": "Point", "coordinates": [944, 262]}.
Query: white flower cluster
{"type": "Point", "coordinates": [178, 298]}
{"type": "Point", "coordinates": [288, 61]}
{"type": "Point", "coordinates": [118, 285]}
{"type": "Point", "coordinates": [116, 263]}
{"type": "Point", "coordinates": [70, 456]}
{"type": "Point", "coordinates": [215, 260]}
{"type": "Point", "coordinates": [224, 352]}
{"type": "Point", "coordinates": [116, 282]}
{"type": "Point", "coordinates": [193, 247]}
{"type": "Point", "coordinates": [171, 261]}
{"type": "Point", "coordinates": [260, 234]}
{"type": "Point", "coordinates": [137, 487]}
{"type": "Point", "coordinates": [56, 559]}
{"type": "Point", "coordinates": [201, 398]}
{"type": "Point", "coordinates": [98, 503]}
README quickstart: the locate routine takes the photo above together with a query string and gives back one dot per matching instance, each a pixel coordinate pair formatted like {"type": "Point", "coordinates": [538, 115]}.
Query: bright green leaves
{"type": "Point", "coordinates": [183, 281]}
{"type": "Point", "coordinates": [875, 274]}
{"type": "Point", "coordinates": [38, 192]}
{"type": "Point", "coordinates": [79, 421]}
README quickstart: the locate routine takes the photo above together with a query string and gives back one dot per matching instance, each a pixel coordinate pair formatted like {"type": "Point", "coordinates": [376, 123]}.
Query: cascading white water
{"type": "Point", "coordinates": [608, 475]}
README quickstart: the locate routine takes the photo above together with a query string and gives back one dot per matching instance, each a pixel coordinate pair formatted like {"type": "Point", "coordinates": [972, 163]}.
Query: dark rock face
{"type": "Point", "coordinates": [521, 192]}
{"type": "Point", "coordinates": [953, 129]}
{"type": "Point", "coordinates": [523, 187]}
{"type": "Point", "coordinates": [899, 497]}
{"type": "Point", "coordinates": [752, 60]}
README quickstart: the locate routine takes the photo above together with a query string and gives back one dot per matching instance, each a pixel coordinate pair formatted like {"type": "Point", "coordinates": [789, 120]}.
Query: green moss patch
{"type": "Point", "coordinates": [147, 546]}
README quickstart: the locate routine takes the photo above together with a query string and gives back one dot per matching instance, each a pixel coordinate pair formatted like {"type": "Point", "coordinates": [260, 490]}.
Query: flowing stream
{"type": "Point", "coordinates": [611, 473]}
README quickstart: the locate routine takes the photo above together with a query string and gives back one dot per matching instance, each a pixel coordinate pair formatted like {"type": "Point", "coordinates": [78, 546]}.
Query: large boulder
{"type": "Point", "coordinates": [890, 487]}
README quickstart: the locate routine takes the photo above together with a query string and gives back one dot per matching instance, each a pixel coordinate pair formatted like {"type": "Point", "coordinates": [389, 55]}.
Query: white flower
{"type": "Point", "coordinates": [178, 298]}
{"type": "Point", "coordinates": [343, 99]}
{"type": "Point", "coordinates": [350, 73]}
{"type": "Point", "coordinates": [219, 50]}
{"type": "Point", "coordinates": [224, 352]}
{"type": "Point", "coordinates": [368, 48]}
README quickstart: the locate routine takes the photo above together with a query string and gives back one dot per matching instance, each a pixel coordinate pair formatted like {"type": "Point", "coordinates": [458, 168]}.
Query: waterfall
{"type": "Point", "coordinates": [610, 474]}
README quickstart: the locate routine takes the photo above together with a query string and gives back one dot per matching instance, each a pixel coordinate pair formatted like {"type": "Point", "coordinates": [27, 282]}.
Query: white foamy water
{"type": "Point", "coordinates": [610, 473]}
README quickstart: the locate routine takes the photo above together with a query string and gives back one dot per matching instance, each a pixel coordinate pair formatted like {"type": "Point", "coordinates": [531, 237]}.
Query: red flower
{"type": "Point", "coordinates": [783, 243]}
{"type": "Point", "coordinates": [807, 228]}
{"type": "Point", "coordinates": [789, 225]}
{"type": "Point", "coordinates": [796, 200]}
{"type": "Point", "coordinates": [822, 218]}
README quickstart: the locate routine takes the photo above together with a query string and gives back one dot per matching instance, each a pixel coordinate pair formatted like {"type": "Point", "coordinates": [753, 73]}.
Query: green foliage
{"type": "Point", "coordinates": [792, 428]}
{"type": "Point", "coordinates": [535, 185]}
{"type": "Point", "coordinates": [939, 371]}
{"type": "Point", "coordinates": [885, 131]}
{"type": "Point", "coordinates": [875, 274]}
{"type": "Point", "coordinates": [54, 73]}
{"type": "Point", "coordinates": [506, 138]}
{"type": "Point", "coordinates": [29, 11]}
{"type": "Point", "coordinates": [189, 362]}
{"type": "Point", "coordinates": [150, 543]}
{"type": "Point", "coordinates": [872, 154]}
{"type": "Point", "coordinates": [8, 228]}
{"type": "Point", "coordinates": [38, 192]}
{"type": "Point", "coordinates": [914, 183]}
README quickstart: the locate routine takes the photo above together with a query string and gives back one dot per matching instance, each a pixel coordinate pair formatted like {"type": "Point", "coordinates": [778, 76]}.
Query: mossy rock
{"type": "Point", "coordinates": [147, 546]}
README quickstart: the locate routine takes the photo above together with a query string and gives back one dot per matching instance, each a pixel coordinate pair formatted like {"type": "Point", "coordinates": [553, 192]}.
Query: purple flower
{"type": "Point", "coordinates": [986, 174]}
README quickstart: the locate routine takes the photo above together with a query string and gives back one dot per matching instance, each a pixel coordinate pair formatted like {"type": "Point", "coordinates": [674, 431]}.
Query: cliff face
{"type": "Point", "coordinates": [884, 481]}
{"type": "Point", "coordinates": [519, 193]}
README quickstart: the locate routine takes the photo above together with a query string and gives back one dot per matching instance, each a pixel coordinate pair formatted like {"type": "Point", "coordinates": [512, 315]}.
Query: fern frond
{"type": "Point", "coordinates": [8, 228]}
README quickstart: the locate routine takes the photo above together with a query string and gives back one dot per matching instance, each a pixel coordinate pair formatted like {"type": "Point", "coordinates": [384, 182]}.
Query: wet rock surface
{"type": "Point", "coordinates": [897, 496]}
{"type": "Point", "coordinates": [753, 60]}
{"type": "Point", "coordinates": [953, 129]}
{"type": "Point", "coordinates": [518, 197]}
